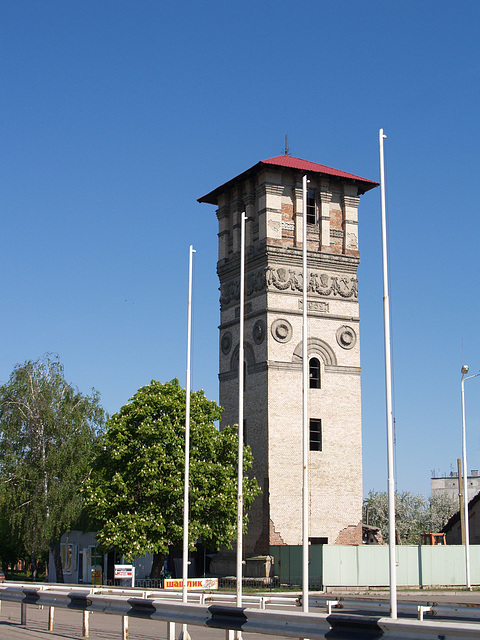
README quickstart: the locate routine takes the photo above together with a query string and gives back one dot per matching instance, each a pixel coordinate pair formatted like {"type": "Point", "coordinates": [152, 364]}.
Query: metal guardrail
{"type": "Point", "coordinates": [318, 626]}
{"type": "Point", "coordinates": [469, 611]}
{"type": "Point", "coordinates": [445, 610]}
{"type": "Point", "coordinates": [193, 596]}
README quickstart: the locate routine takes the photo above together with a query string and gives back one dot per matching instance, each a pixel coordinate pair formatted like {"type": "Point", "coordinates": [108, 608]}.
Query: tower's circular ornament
{"type": "Point", "coordinates": [226, 342]}
{"type": "Point", "coordinates": [282, 330]}
{"type": "Point", "coordinates": [259, 331]}
{"type": "Point", "coordinates": [346, 337]}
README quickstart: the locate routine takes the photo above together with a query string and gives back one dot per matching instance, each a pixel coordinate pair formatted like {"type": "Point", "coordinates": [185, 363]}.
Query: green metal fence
{"type": "Point", "coordinates": [367, 565]}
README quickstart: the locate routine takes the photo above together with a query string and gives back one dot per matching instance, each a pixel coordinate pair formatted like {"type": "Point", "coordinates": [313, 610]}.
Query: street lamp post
{"type": "Point", "coordinates": [465, 476]}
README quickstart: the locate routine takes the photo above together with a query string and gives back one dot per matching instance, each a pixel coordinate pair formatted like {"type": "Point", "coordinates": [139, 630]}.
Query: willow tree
{"type": "Point", "coordinates": [48, 434]}
{"type": "Point", "coordinates": [414, 514]}
{"type": "Point", "coordinates": [136, 489]}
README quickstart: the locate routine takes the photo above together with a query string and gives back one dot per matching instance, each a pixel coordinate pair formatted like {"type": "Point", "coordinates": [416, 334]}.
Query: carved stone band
{"type": "Point", "coordinates": [285, 279]}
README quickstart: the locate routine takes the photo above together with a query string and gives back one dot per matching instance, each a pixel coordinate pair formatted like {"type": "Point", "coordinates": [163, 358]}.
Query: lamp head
{"type": "Point", "coordinates": [465, 369]}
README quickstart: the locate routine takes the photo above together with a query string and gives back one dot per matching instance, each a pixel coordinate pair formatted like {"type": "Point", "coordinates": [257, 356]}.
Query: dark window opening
{"type": "Point", "coordinates": [315, 435]}
{"type": "Point", "coordinates": [311, 208]}
{"type": "Point", "coordinates": [318, 540]}
{"type": "Point", "coordinates": [314, 373]}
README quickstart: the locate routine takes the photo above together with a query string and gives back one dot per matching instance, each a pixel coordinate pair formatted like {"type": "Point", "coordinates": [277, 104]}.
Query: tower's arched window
{"type": "Point", "coordinates": [314, 373]}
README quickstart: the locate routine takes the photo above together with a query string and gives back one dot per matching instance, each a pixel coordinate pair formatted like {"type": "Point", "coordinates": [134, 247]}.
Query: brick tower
{"type": "Point", "coordinates": [270, 193]}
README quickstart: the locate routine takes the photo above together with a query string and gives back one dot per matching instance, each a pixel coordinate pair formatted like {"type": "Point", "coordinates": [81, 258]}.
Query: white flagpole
{"type": "Point", "coordinates": [388, 388]}
{"type": "Point", "coordinates": [185, 635]}
{"type": "Point", "coordinates": [305, 429]}
{"type": "Point", "coordinates": [240, 417]}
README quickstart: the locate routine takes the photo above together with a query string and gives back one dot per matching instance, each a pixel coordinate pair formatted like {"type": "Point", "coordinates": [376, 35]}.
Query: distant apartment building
{"type": "Point", "coordinates": [449, 485]}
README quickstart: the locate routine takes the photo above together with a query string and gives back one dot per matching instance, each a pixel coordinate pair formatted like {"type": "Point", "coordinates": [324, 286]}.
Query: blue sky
{"type": "Point", "coordinates": [116, 116]}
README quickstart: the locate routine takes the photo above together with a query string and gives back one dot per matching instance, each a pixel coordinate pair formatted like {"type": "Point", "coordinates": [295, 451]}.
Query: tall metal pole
{"type": "Point", "coordinates": [185, 634]}
{"type": "Point", "coordinates": [305, 430]}
{"type": "Point", "coordinates": [240, 415]}
{"type": "Point", "coordinates": [460, 496]}
{"type": "Point", "coordinates": [465, 479]}
{"type": "Point", "coordinates": [388, 389]}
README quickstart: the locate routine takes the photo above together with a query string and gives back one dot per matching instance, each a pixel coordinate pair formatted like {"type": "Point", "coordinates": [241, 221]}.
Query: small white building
{"type": "Point", "coordinates": [82, 559]}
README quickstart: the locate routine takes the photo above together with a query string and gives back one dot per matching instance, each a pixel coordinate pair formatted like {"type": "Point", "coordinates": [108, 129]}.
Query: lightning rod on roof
{"type": "Point", "coordinates": [287, 150]}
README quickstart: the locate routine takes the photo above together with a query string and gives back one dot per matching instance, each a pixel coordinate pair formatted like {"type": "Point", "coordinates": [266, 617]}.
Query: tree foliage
{"type": "Point", "coordinates": [48, 434]}
{"type": "Point", "coordinates": [137, 487]}
{"type": "Point", "coordinates": [414, 514]}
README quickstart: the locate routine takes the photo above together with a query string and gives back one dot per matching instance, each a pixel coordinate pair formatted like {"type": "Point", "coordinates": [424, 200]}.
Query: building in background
{"type": "Point", "coordinates": [270, 193]}
{"type": "Point", "coordinates": [453, 528]}
{"type": "Point", "coordinates": [449, 485]}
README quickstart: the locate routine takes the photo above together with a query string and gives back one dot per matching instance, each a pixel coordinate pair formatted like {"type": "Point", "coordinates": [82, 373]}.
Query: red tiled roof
{"type": "Point", "coordinates": [291, 163]}
{"type": "Point", "coordinates": [312, 167]}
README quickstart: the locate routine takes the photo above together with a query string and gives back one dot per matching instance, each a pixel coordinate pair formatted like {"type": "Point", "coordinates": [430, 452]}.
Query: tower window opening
{"type": "Point", "coordinates": [315, 435]}
{"type": "Point", "coordinates": [311, 207]}
{"type": "Point", "coordinates": [314, 373]}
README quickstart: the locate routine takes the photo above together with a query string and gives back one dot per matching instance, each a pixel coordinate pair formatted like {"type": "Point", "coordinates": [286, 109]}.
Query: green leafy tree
{"type": "Point", "coordinates": [136, 489]}
{"type": "Point", "coordinates": [414, 514]}
{"type": "Point", "coordinates": [11, 538]}
{"type": "Point", "coordinates": [48, 434]}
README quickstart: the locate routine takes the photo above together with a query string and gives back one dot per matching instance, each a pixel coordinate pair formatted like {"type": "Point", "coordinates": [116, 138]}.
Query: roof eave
{"type": "Point", "coordinates": [212, 197]}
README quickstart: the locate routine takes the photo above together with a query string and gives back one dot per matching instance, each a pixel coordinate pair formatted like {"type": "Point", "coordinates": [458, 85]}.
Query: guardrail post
{"type": "Point", "coordinates": [330, 604]}
{"type": "Point", "coordinates": [86, 624]}
{"type": "Point", "coordinates": [124, 627]}
{"type": "Point", "coordinates": [51, 618]}
{"type": "Point", "coordinates": [421, 610]}
{"type": "Point", "coordinates": [23, 614]}
{"type": "Point", "coordinates": [170, 630]}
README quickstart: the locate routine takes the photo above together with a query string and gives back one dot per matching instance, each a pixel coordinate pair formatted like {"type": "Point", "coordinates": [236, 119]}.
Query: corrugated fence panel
{"type": "Point", "coordinates": [372, 565]}
{"type": "Point", "coordinates": [340, 565]}
{"type": "Point", "coordinates": [315, 568]}
{"type": "Point", "coordinates": [409, 560]}
{"type": "Point", "coordinates": [288, 563]}
{"type": "Point", "coordinates": [442, 565]}
{"type": "Point", "coordinates": [474, 563]}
